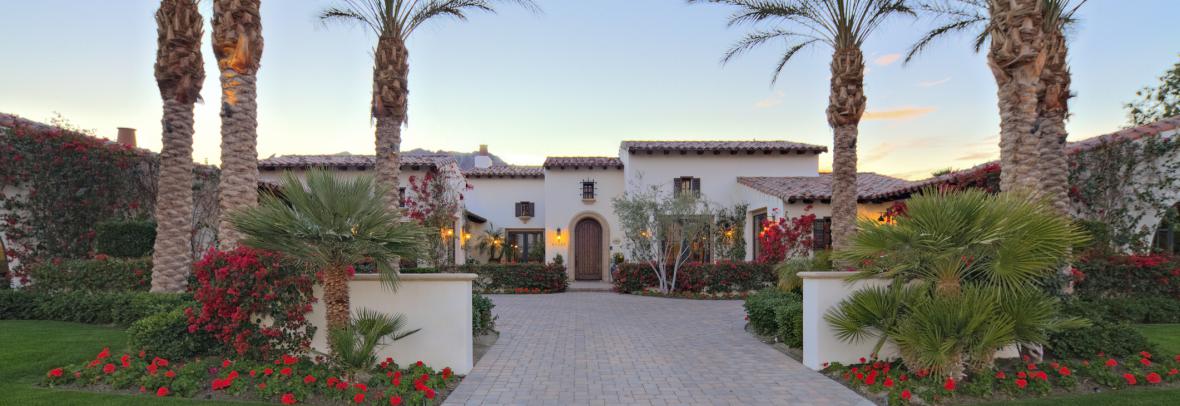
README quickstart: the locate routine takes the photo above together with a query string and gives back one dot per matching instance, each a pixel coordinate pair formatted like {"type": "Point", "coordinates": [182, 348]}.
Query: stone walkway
{"type": "Point", "coordinates": [586, 348]}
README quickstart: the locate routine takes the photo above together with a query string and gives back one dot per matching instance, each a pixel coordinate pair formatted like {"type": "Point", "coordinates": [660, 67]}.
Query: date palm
{"type": "Point", "coordinates": [843, 25]}
{"type": "Point", "coordinates": [328, 226]}
{"type": "Point", "coordinates": [1048, 160]}
{"type": "Point", "coordinates": [393, 21]}
{"type": "Point", "coordinates": [237, 43]}
{"type": "Point", "coordinates": [180, 72]}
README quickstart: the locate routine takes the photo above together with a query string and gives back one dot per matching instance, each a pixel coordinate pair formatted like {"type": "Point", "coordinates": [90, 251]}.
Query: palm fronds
{"type": "Point", "coordinates": [354, 348]}
{"type": "Point", "coordinates": [399, 18]}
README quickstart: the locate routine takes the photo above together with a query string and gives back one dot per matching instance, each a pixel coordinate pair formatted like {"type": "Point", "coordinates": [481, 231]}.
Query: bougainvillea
{"type": "Point", "coordinates": [1105, 275]}
{"type": "Point", "coordinates": [783, 238]}
{"type": "Point", "coordinates": [432, 203]}
{"type": "Point", "coordinates": [253, 302]}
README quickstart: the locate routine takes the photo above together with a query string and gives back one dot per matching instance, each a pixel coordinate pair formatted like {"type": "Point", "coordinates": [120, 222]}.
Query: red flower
{"type": "Point", "coordinates": [261, 386]}
{"type": "Point", "coordinates": [1153, 378]}
{"type": "Point", "coordinates": [446, 373]}
{"type": "Point", "coordinates": [1000, 375]}
{"type": "Point", "coordinates": [1146, 362]}
{"type": "Point", "coordinates": [1173, 371]}
{"type": "Point", "coordinates": [151, 368]}
{"type": "Point", "coordinates": [871, 379]}
{"type": "Point", "coordinates": [358, 398]}
{"type": "Point", "coordinates": [309, 379]}
{"type": "Point", "coordinates": [419, 363]}
{"type": "Point", "coordinates": [949, 385]}
{"type": "Point", "coordinates": [160, 362]}
{"type": "Point", "coordinates": [285, 371]}
{"type": "Point", "coordinates": [1041, 375]}
{"type": "Point", "coordinates": [108, 369]}
{"type": "Point", "coordinates": [1032, 367]}
{"type": "Point", "coordinates": [170, 374]}
{"type": "Point", "coordinates": [888, 382]}
{"type": "Point", "coordinates": [331, 381]}
{"type": "Point", "coordinates": [1130, 379]}
{"type": "Point", "coordinates": [341, 385]}
{"type": "Point", "coordinates": [1021, 375]}
{"type": "Point", "coordinates": [1145, 354]}
{"type": "Point", "coordinates": [429, 393]}
{"type": "Point", "coordinates": [142, 389]}
{"type": "Point", "coordinates": [1020, 383]}
{"type": "Point", "coordinates": [1064, 371]}
{"type": "Point", "coordinates": [289, 360]}
{"type": "Point", "coordinates": [395, 400]}
{"type": "Point", "coordinates": [55, 373]}
{"type": "Point", "coordinates": [905, 394]}
{"type": "Point", "coordinates": [1112, 363]}
{"type": "Point", "coordinates": [163, 391]}
{"type": "Point", "coordinates": [288, 399]}
{"type": "Point", "coordinates": [106, 352]}
{"type": "Point", "coordinates": [226, 363]}
{"type": "Point", "coordinates": [268, 371]}
{"type": "Point", "coordinates": [219, 384]}
{"type": "Point", "coordinates": [361, 386]}
{"type": "Point", "coordinates": [125, 360]}
{"type": "Point", "coordinates": [862, 360]}
{"type": "Point", "coordinates": [142, 354]}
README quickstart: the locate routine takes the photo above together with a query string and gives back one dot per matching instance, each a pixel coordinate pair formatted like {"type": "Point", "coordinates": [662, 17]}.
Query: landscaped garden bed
{"type": "Point", "coordinates": [525, 278]}
{"type": "Point", "coordinates": [727, 280]}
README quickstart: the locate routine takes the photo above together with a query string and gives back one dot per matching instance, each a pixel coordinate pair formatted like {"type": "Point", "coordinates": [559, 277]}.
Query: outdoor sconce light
{"type": "Point", "coordinates": [881, 219]}
{"type": "Point", "coordinates": [559, 235]}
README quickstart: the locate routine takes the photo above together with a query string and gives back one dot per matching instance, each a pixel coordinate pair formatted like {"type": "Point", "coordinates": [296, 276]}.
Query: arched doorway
{"type": "Point", "coordinates": [588, 250]}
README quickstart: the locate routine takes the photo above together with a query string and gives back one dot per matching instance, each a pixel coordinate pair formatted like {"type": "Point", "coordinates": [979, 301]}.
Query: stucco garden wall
{"type": "Point", "coordinates": [439, 304]}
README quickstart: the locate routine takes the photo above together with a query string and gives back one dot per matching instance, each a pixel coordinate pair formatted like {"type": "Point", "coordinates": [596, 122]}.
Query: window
{"type": "Point", "coordinates": [686, 184]}
{"type": "Point", "coordinates": [588, 190]}
{"type": "Point", "coordinates": [699, 247]}
{"type": "Point", "coordinates": [401, 194]}
{"type": "Point", "coordinates": [756, 225]}
{"type": "Point", "coordinates": [525, 246]}
{"type": "Point", "coordinates": [821, 234]}
{"type": "Point", "coordinates": [525, 209]}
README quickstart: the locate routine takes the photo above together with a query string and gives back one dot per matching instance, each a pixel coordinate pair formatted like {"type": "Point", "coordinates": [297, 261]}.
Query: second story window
{"type": "Point", "coordinates": [588, 191]}
{"type": "Point", "coordinates": [686, 184]}
{"type": "Point", "coordinates": [401, 193]}
{"type": "Point", "coordinates": [525, 209]}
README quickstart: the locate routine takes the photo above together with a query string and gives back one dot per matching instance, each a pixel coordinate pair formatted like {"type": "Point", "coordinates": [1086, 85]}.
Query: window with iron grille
{"type": "Point", "coordinates": [401, 193]}
{"type": "Point", "coordinates": [686, 184]}
{"type": "Point", "coordinates": [588, 187]}
{"type": "Point", "coordinates": [525, 209]}
{"type": "Point", "coordinates": [821, 234]}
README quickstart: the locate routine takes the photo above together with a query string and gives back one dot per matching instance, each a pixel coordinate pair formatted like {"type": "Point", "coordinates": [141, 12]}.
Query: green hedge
{"type": "Point", "coordinates": [1138, 310]}
{"type": "Point", "coordinates": [95, 275]}
{"type": "Point", "coordinates": [87, 307]}
{"type": "Point", "coordinates": [506, 278]}
{"type": "Point", "coordinates": [720, 277]}
{"type": "Point", "coordinates": [482, 320]}
{"type": "Point", "coordinates": [125, 239]}
{"type": "Point", "coordinates": [1111, 331]}
{"type": "Point", "coordinates": [167, 335]}
{"type": "Point", "coordinates": [772, 312]}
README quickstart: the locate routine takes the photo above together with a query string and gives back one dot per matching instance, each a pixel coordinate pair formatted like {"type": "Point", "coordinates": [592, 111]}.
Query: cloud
{"type": "Point", "coordinates": [886, 59]}
{"type": "Point", "coordinates": [933, 83]}
{"type": "Point", "coordinates": [977, 155]}
{"type": "Point", "coordinates": [900, 113]}
{"type": "Point", "coordinates": [886, 149]}
{"type": "Point", "coordinates": [770, 101]}
{"type": "Point", "coordinates": [879, 152]}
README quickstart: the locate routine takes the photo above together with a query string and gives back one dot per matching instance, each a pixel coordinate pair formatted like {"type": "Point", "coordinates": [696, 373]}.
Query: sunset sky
{"type": "Point", "coordinates": [574, 80]}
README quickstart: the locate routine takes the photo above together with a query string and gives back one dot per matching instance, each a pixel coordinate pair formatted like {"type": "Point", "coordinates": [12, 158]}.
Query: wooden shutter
{"type": "Point", "coordinates": [821, 234]}
{"type": "Point", "coordinates": [696, 186]}
{"type": "Point", "coordinates": [676, 189]}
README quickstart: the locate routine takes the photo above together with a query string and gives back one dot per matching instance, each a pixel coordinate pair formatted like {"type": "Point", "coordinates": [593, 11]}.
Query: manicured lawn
{"type": "Point", "coordinates": [1166, 336]}
{"type": "Point", "coordinates": [28, 349]}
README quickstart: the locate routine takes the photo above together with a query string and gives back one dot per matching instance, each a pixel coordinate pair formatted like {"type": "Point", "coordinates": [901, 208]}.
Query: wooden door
{"type": "Point", "coordinates": [588, 250]}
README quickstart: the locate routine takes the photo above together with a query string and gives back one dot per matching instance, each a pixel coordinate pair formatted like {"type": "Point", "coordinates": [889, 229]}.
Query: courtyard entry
{"type": "Point", "coordinates": [588, 250]}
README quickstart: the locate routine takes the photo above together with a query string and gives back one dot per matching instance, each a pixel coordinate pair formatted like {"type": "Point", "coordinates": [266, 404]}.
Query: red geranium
{"type": "Point", "coordinates": [395, 401]}
{"type": "Point", "coordinates": [1064, 371]}
{"type": "Point", "coordinates": [1130, 379]}
{"type": "Point", "coordinates": [309, 379]}
{"type": "Point", "coordinates": [358, 398]}
{"type": "Point", "coordinates": [55, 373]}
{"type": "Point", "coordinates": [108, 369]}
{"type": "Point", "coordinates": [163, 391]}
{"type": "Point", "coordinates": [888, 382]}
{"type": "Point", "coordinates": [170, 374]}
{"type": "Point", "coordinates": [1021, 383]}
{"type": "Point", "coordinates": [288, 399]}
{"type": "Point", "coordinates": [949, 385]}
{"type": "Point", "coordinates": [1112, 363]}
{"type": "Point", "coordinates": [905, 394]}
{"type": "Point", "coordinates": [1153, 378]}
{"type": "Point", "coordinates": [285, 371]}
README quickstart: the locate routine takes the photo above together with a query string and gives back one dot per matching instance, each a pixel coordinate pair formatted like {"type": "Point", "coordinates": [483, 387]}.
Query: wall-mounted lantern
{"type": "Point", "coordinates": [558, 236]}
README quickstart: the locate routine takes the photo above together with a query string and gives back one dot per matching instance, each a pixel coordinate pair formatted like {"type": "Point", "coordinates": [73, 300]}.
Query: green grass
{"type": "Point", "coordinates": [28, 349]}
{"type": "Point", "coordinates": [1166, 336]}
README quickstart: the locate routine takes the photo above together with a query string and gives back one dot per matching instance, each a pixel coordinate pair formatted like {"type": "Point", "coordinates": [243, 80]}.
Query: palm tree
{"type": "Point", "coordinates": [393, 21]}
{"type": "Point", "coordinates": [843, 25]}
{"type": "Point", "coordinates": [180, 72]}
{"type": "Point", "coordinates": [328, 226]}
{"type": "Point", "coordinates": [1049, 160]}
{"type": "Point", "coordinates": [237, 43]}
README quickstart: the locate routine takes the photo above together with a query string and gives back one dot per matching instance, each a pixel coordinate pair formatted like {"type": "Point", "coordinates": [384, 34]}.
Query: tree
{"type": "Point", "coordinates": [393, 21]}
{"type": "Point", "coordinates": [433, 202]}
{"type": "Point", "coordinates": [1016, 58]}
{"type": "Point", "coordinates": [180, 72]}
{"type": "Point", "coordinates": [237, 43]}
{"type": "Point", "coordinates": [328, 227]}
{"type": "Point", "coordinates": [1156, 103]}
{"type": "Point", "coordinates": [659, 230]}
{"type": "Point", "coordinates": [843, 25]}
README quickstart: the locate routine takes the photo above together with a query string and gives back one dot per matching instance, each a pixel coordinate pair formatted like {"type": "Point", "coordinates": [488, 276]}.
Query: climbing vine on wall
{"type": "Point", "coordinates": [729, 241]}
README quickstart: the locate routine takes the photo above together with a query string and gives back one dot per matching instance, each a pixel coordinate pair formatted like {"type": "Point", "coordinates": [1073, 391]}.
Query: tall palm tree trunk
{"type": "Point", "coordinates": [391, 71]}
{"type": "Point", "coordinates": [237, 42]}
{"type": "Point", "coordinates": [179, 72]}
{"type": "Point", "coordinates": [846, 105]}
{"type": "Point", "coordinates": [1053, 109]}
{"type": "Point", "coordinates": [1016, 61]}
{"type": "Point", "coordinates": [336, 298]}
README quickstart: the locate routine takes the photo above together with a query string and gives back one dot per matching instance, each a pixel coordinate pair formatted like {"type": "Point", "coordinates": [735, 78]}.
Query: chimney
{"type": "Point", "coordinates": [126, 136]}
{"type": "Point", "coordinates": [482, 159]}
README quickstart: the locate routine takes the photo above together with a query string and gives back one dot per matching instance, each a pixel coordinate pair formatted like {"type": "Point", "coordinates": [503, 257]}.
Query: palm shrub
{"type": "Point", "coordinates": [354, 348]}
{"type": "Point", "coordinates": [964, 269]}
{"type": "Point", "coordinates": [328, 226]}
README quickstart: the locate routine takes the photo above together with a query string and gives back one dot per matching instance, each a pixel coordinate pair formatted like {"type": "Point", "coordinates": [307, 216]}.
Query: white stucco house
{"type": "Point", "coordinates": [564, 207]}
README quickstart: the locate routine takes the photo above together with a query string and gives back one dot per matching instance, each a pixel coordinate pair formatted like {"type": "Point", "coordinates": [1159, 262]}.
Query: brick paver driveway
{"type": "Point", "coordinates": [608, 349]}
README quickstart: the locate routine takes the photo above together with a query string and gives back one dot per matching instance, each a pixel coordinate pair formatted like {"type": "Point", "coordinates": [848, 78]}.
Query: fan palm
{"type": "Point", "coordinates": [354, 348]}
{"type": "Point", "coordinates": [180, 72]}
{"type": "Point", "coordinates": [1048, 160]}
{"type": "Point", "coordinates": [844, 25]}
{"type": "Point", "coordinates": [237, 43]}
{"type": "Point", "coordinates": [393, 21]}
{"type": "Point", "coordinates": [328, 226]}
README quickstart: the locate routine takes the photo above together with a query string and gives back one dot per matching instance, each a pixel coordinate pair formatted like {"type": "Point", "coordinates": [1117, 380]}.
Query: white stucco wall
{"type": "Point", "coordinates": [564, 207]}
{"type": "Point", "coordinates": [718, 173]}
{"type": "Point", "coordinates": [495, 199]}
{"type": "Point", "coordinates": [439, 304]}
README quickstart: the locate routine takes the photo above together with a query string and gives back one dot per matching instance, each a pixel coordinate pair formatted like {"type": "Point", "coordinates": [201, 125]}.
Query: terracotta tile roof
{"type": "Point", "coordinates": [355, 162]}
{"type": "Point", "coordinates": [869, 185]}
{"type": "Point", "coordinates": [718, 147]}
{"type": "Point", "coordinates": [588, 162]}
{"type": "Point", "coordinates": [506, 171]}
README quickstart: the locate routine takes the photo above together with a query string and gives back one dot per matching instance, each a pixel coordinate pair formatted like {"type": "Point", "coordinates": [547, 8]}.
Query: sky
{"type": "Point", "coordinates": [575, 79]}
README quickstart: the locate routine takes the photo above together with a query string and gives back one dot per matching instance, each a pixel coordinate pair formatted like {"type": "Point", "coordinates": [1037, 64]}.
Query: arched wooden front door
{"type": "Point", "coordinates": [588, 250]}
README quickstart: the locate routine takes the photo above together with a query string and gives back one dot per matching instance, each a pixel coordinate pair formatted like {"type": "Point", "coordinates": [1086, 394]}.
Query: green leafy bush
{"type": "Point", "coordinates": [419, 270]}
{"type": "Point", "coordinates": [87, 307]}
{"type": "Point", "coordinates": [512, 277]}
{"type": "Point", "coordinates": [1149, 310]}
{"type": "Point", "coordinates": [769, 311]}
{"type": "Point", "coordinates": [1107, 275]}
{"type": "Point", "coordinates": [721, 277]}
{"type": "Point", "coordinates": [126, 239]}
{"type": "Point", "coordinates": [166, 335]}
{"type": "Point", "coordinates": [789, 320]}
{"type": "Point", "coordinates": [1113, 339]}
{"type": "Point", "coordinates": [482, 320]}
{"type": "Point", "coordinates": [102, 274]}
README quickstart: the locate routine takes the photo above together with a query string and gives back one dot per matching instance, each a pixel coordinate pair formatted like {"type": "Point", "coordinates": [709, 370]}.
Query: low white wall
{"type": "Point", "coordinates": [821, 292]}
{"type": "Point", "coordinates": [439, 304]}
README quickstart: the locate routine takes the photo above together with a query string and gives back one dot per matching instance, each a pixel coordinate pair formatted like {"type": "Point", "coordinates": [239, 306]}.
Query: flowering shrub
{"type": "Point", "coordinates": [1008, 379]}
{"type": "Point", "coordinates": [721, 277]}
{"type": "Point", "coordinates": [238, 289]}
{"type": "Point", "coordinates": [518, 278]}
{"type": "Point", "coordinates": [1104, 275]}
{"type": "Point", "coordinates": [102, 273]}
{"type": "Point", "coordinates": [285, 379]}
{"type": "Point", "coordinates": [785, 238]}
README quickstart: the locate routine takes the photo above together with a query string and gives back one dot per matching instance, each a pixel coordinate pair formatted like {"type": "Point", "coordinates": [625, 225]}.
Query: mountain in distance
{"type": "Point", "coordinates": [466, 160]}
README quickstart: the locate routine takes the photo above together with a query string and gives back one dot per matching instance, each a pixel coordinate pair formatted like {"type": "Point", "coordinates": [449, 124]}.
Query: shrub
{"type": "Point", "coordinates": [482, 320]}
{"type": "Point", "coordinates": [126, 239]}
{"type": "Point", "coordinates": [510, 277]}
{"type": "Point", "coordinates": [1101, 275]}
{"type": "Point", "coordinates": [721, 277]}
{"type": "Point", "coordinates": [419, 270]}
{"type": "Point", "coordinates": [166, 335]}
{"type": "Point", "coordinates": [788, 319]}
{"type": "Point", "coordinates": [102, 274]}
{"type": "Point", "coordinates": [238, 289]}
{"type": "Point", "coordinates": [762, 308]}
{"type": "Point", "coordinates": [1129, 310]}
{"type": "Point", "coordinates": [86, 307]}
{"type": "Point", "coordinates": [1113, 339]}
